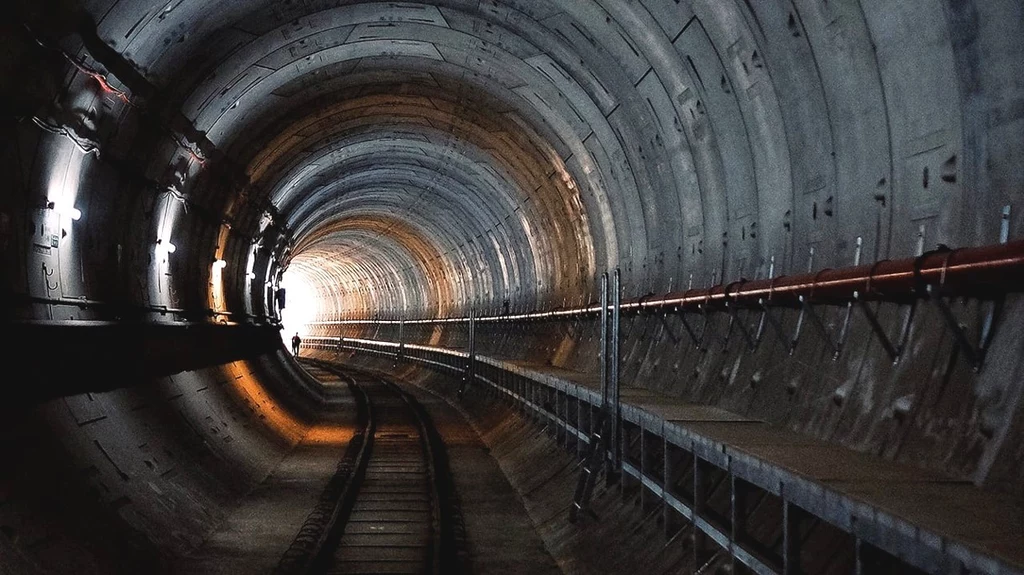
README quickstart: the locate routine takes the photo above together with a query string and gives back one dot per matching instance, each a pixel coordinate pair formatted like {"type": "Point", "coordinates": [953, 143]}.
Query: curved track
{"type": "Point", "coordinates": [390, 506]}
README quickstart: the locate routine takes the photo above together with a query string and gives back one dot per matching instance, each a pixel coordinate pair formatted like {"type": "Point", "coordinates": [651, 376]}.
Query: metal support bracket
{"type": "Point", "coordinates": [668, 328]}
{"type": "Point", "coordinates": [807, 308]}
{"type": "Point", "coordinates": [895, 350]}
{"type": "Point", "coordinates": [773, 322]}
{"type": "Point", "coordinates": [735, 320]}
{"type": "Point", "coordinates": [698, 342]}
{"type": "Point", "coordinates": [975, 354]}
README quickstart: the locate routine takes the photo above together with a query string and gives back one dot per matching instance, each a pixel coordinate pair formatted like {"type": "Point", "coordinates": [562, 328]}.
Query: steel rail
{"type": "Point", "coordinates": [322, 535]}
{"type": "Point", "coordinates": [317, 535]}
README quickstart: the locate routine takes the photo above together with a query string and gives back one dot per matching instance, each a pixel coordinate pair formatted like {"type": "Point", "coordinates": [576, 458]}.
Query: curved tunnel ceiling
{"type": "Point", "coordinates": [172, 161]}
{"type": "Point", "coordinates": [421, 158]}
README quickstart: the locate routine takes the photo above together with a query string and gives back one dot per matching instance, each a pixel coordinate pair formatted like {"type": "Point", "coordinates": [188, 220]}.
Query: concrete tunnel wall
{"type": "Point", "coordinates": [422, 159]}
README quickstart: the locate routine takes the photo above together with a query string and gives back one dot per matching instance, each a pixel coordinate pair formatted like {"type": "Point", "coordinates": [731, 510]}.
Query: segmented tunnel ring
{"type": "Point", "coordinates": [174, 167]}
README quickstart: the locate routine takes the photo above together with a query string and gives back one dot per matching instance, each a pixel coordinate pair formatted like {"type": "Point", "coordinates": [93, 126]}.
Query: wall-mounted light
{"type": "Point", "coordinates": [250, 275]}
{"type": "Point", "coordinates": [69, 211]}
{"type": "Point", "coordinates": [166, 247]}
{"type": "Point", "coordinates": [219, 264]}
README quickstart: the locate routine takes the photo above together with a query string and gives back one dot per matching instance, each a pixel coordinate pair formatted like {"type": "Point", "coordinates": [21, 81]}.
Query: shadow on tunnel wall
{"type": "Point", "coordinates": [126, 480]}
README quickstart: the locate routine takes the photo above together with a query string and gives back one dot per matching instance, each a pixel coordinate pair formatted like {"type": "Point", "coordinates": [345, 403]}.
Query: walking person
{"type": "Point", "coordinates": [296, 342]}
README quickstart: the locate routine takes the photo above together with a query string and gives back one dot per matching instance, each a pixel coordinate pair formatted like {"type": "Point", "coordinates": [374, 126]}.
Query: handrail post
{"type": "Point", "coordinates": [614, 395]}
{"type": "Point", "coordinates": [472, 345]}
{"type": "Point", "coordinates": [603, 418]}
{"type": "Point", "coordinates": [401, 340]}
{"type": "Point", "coordinates": [603, 355]}
{"type": "Point", "coordinates": [469, 374]}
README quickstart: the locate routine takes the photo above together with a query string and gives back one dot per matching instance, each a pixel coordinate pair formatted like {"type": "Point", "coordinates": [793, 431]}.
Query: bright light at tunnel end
{"type": "Point", "coordinates": [300, 305]}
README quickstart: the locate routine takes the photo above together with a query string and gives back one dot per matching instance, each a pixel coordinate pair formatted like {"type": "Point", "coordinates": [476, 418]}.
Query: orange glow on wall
{"type": "Point", "coordinates": [279, 420]}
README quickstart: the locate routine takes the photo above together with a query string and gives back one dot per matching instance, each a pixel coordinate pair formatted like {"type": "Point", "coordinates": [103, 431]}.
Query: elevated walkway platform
{"type": "Point", "coordinates": [935, 523]}
{"type": "Point", "coordinates": [708, 465]}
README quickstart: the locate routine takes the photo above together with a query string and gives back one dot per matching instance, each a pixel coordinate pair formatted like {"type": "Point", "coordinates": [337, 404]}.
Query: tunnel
{"type": "Point", "coordinates": [512, 286]}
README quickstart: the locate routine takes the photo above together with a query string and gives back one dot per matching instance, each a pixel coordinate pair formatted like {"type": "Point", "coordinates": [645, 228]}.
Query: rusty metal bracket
{"type": "Point", "coordinates": [668, 328]}
{"type": "Point", "coordinates": [975, 354]}
{"type": "Point", "coordinates": [894, 351]}
{"type": "Point", "coordinates": [698, 341]}
{"type": "Point", "coordinates": [807, 309]}
{"type": "Point", "coordinates": [734, 320]}
{"type": "Point", "coordinates": [773, 322]}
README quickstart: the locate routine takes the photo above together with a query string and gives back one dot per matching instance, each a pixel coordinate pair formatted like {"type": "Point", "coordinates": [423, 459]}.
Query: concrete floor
{"type": "Point", "coordinates": [264, 523]}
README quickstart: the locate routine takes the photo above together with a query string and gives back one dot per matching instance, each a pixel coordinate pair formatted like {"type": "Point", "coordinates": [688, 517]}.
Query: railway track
{"type": "Point", "coordinates": [391, 506]}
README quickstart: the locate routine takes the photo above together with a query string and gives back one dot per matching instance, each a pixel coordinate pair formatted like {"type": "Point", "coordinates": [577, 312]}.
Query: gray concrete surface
{"type": "Point", "coordinates": [421, 159]}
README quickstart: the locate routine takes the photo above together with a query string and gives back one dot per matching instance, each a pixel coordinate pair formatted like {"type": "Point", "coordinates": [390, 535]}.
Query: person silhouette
{"type": "Point", "coordinates": [296, 342]}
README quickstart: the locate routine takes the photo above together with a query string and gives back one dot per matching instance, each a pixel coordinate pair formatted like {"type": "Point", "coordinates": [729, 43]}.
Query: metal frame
{"type": "Point", "coordinates": [987, 273]}
{"type": "Point", "coordinates": [873, 532]}
{"type": "Point", "coordinates": [979, 272]}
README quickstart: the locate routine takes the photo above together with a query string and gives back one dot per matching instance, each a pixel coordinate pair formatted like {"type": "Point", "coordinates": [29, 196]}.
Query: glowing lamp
{"type": "Point", "coordinates": [166, 247]}
{"type": "Point", "coordinates": [69, 211]}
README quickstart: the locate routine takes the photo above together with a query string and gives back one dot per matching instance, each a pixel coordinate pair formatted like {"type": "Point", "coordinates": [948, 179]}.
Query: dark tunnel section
{"type": "Point", "coordinates": [187, 183]}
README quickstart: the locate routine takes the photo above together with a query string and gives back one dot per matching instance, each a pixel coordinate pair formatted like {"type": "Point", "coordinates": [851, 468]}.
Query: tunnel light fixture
{"type": "Point", "coordinates": [219, 264]}
{"type": "Point", "coordinates": [65, 210]}
{"type": "Point", "coordinates": [165, 247]}
{"type": "Point", "coordinates": [250, 275]}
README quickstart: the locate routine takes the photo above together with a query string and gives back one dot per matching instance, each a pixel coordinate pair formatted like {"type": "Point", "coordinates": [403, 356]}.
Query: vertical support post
{"type": "Point", "coordinates": [614, 394]}
{"type": "Point", "coordinates": [764, 311]}
{"type": "Point", "coordinates": [569, 439]}
{"type": "Point", "coordinates": [702, 547]}
{"type": "Point", "coordinates": [581, 447]}
{"type": "Point", "coordinates": [469, 375]}
{"type": "Point", "coordinates": [472, 346]}
{"type": "Point", "coordinates": [401, 340]}
{"type": "Point", "coordinates": [604, 341]}
{"type": "Point", "coordinates": [800, 318]}
{"type": "Point", "coordinates": [645, 497]}
{"type": "Point", "coordinates": [1004, 225]}
{"type": "Point", "coordinates": [849, 305]}
{"type": "Point", "coordinates": [604, 414]}
{"type": "Point", "coordinates": [740, 495]}
{"type": "Point", "coordinates": [791, 539]}
{"type": "Point", "coordinates": [560, 409]}
{"type": "Point", "coordinates": [667, 476]}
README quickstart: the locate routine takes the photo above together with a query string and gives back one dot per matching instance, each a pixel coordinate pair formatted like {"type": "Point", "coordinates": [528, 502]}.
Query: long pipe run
{"type": "Point", "coordinates": [980, 272]}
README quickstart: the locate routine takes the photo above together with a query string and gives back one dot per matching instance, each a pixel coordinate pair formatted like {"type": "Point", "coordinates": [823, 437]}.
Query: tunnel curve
{"type": "Point", "coordinates": [172, 163]}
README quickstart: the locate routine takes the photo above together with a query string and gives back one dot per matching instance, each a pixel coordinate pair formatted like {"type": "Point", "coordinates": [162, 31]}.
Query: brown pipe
{"type": "Point", "coordinates": [978, 272]}
{"type": "Point", "coordinates": [967, 272]}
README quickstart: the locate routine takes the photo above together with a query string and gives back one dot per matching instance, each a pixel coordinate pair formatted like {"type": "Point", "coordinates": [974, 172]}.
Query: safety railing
{"type": "Point", "coordinates": [986, 273]}
{"type": "Point", "coordinates": [744, 510]}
